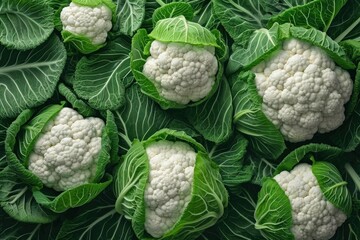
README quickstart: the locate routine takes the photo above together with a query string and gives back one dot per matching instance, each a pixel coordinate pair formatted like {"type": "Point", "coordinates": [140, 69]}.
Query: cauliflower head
{"type": "Point", "coordinates": [65, 154]}
{"type": "Point", "coordinates": [169, 186]}
{"type": "Point", "coordinates": [303, 91]}
{"type": "Point", "coordinates": [181, 72]}
{"type": "Point", "coordinates": [313, 216]}
{"type": "Point", "coordinates": [91, 22]}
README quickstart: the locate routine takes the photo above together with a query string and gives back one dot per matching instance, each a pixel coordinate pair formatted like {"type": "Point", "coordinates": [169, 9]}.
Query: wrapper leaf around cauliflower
{"type": "Point", "coordinates": [169, 188]}
{"type": "Point", "coordinates": [308, 202]}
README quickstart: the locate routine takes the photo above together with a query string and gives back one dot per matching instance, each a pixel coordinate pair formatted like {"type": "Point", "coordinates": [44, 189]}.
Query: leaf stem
{"type": "Point", "coordinates": [347, 31]}
{"type": "Point", "coordinates": [354, 176]}
{"type": "Point", "coordinates": [160, 2]}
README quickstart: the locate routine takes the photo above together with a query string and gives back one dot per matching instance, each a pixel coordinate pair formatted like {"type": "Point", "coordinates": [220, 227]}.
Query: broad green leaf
{"type": "Point", "coordinates": [173, 10]}
{"type": "Point", "coordinates": [261, 168]}
{"type": "Point", "coordinates": [320, 152]}
{"type": "Point", "coordinates": [129, 15]}
{"type": "Point", "coordinates": [4, 124]}
{"type": "Point", "coordinates": [16, 200]}
{"type": "Point", "coordinates": [249, 119]}
{"type": "Point", "coordinates": [178, 29]}
{"type": "Point", "coordinates": [100, 78]}
{"type": "Point", "coordinates": [140, 117]}
{"type": "Point", "coordinates": [273, 212]}
{"type": "Point", "coordinates": [238, 222]}
{"type": "Point", "coordinates": [81, 43]}
{"type": "Point", "coordinates": [346, 24]}
{"type": "Point", "coordinates": [351, 105]}
{"type": "Point", "coordinates": [11, 229]}
{"type": "Point", "coordinates": [213, 118]}
{"type": "Point", "coordinates": [352, 49]}
{"type": "Point", "coordinates": [242, 17]}
{"type": "Point", "coordinates": [97, 220]}
{"type": "Point", "coordinates": [29, 78]}
{"type": "Point", "coordinates": [333, 186]}
{"type": "Point", "coordinates": [205, 16]}
{"type": "Point", "coordinates": [230, 157]}
{"type": "Point", "coordinates": [318, 14]}
{"type": "Point", "coordinates": [32, 129]}
{"type": "Point", "coordinates": [71, 198]}
{"type": "Point", "coordinates": [79, 105]}
{"type": "Point", "coordinates": [25, 24]}
{"type": "Point", "coordinates": [93, 3]}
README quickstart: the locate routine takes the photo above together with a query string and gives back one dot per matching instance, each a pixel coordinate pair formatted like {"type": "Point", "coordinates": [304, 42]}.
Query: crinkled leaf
{"type": "Point", "coordinates": [108, 224]}
{"type": "Point", "coordinates": [333, 186]}
{"type": "Point", "coordinates": [129, 15]}
{"type": "Point", "coordinates": [140, 117]}
{"type": "Point", "coordinates": [213, 118]}
{"type": "Point", "coordinates": [178, 29]}
{"type": "Point", "coordinates": [29, 78]}
{"type": "Point", "coordinates": [173, 10]}
{"type": "Point", "coordinates": [71, 198]}
{"type": "Point", "coordinates": [249, 119]}
{"type": "Point", "coordinates": [100, 77]}
{"type": "Point", "coordinates": [25, 24]}
{"type": "Point", "coordinates": [273, 212]}
{"type": "Point", "coordinates": [17, 200]}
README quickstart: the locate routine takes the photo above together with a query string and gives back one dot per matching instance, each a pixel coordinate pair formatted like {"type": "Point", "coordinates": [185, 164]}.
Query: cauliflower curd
{"type": "Point", "coordinates": [66, 153]}
{"type": "Point", "coordinates": [303, 91]}
{"type": "Point", "coordinates": [181, 72]}
{"type": "Point", "coordinates": [169, 186]}
{"type": "Point", "coordinates": [313, 216]}
{"type": "Point", "coordinates": [92, 22]}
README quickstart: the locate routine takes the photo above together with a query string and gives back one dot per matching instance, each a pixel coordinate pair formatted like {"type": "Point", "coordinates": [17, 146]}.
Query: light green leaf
{"type": "Point", "coordinates": [213, 118]}
{"type": "Point", "coordinates": [140, 117]}
{"type": "Point", "coordinates": [108, 224]}
{"type": "Point", "coordinates": [74, 197]}
{"type": "Point", "coordinates": [29, 78]}
{"type": "Point", "coordinates": [129, 16]}
{"type": "Point", "coordinates": [173, 10]}
{"type": "Point", "coordinates": [265, 139]}
{"type": "Point", "coordinates": [178, 29]}
{"type": "Point", "coordinates": [25, 24]}
{"type": "Point", "coordinates": [273, 212]}
{"type": "Point", "coordinates": [333, 186]}
{"type": "Point", "coordinates": [81, 43]}
{"type": "Point", "coordinates": [100, 77]}
{"type": "Point", "coordinates": [16, 200]}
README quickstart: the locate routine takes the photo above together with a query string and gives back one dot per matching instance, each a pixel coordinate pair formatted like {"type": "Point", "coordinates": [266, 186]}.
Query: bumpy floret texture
{"type": "Point", "coordinates": [92, 22]}
{"type": "Point", "coordinates": [169, 186]}
{"type": "Point", "coordinates": [66, 153]}
{"type": "Point", "coordinates": [181, 72]}
{"type": "Point", "coordinates": [303, 91]}
{"type": "Point", "coordinates": [313, 216]}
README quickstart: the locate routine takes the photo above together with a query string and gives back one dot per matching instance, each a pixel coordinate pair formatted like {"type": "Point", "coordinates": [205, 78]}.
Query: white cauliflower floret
{"type": "Point", "coordinates": [303, 91]}
{"type": "Point", "coordinates": [65, 154]}
{"type": "Point", "coordinates": [313, 216]}
{"type": "Point", "coordinates": [92, 22]}
{"type": "Point", "coordinates": [169, 186]}
{"type": "Point", "coordinates": [181, 72]}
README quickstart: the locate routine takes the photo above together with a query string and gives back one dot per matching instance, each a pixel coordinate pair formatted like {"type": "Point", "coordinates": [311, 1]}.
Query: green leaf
{"type": "Point", "coordinates": [4, 125]}
{"type": "Point", "coordinates": [100, 77]}
{"type": "Point", "coordinates": [320, 151]}
{"type": "Point", "coordinates": [205, 16]}
{"type": "Point", "coordinates": [32, 129]}
{"type": "Point", "coordinates": [238, 221]}
{"type": "Point", "coordinates": [108, 224]}
{"type": "Point", "coordinates": [94, 3]}
{"type": "Point", "coordinates": [333, 186]}
{"type": "Point", "coordinates": [78, 104]}
{"type": "Point", "coordinates": [261, 168]}
{"type": "Point", "coordinates": [346, 24]}
{"type": "Point", "coordinates": [352, 49]}
{"type": "Point", "coordinates": [10, 229]}
{"type": "Point", "coordinates": [318, 14]}
{"type": "Point", "coordinates": [129, 16]}
{"type": "Point", "coordinates": [349, 230]}
{"type": "Point", "coordinates": [82, 43]}
{"type": "Point", "coordinates": [230, 157]}
{"type": "Point", "coordinates": [173, 10]}
{"type": "Point", "coordinates": [213, 118]}
{"type": "Point", "coordinates": [140, 117]}
{"type": "Point", "coordinates": [25, 24]}
{"type": "Point", "coordinates": [29, 78]}
{"type": "Point", "coordinates": [249, 119]}
{"type": "Point", "coordinates": [17, 200]}
{"type": "Point", "coordinates": [273, 212]}
{"type": "Point", "coordinates": [73, 197]}
{"type": "Point", "coordinates": [178, 29]}
{"type": "Point", "coordinates": [351, 105]}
